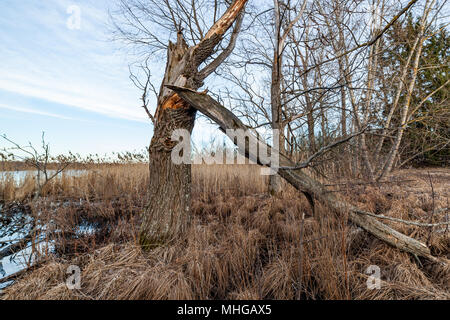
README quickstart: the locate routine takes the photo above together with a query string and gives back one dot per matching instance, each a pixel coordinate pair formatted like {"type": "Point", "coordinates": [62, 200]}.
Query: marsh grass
{"type": "Point", "coordinates": [242, 243]}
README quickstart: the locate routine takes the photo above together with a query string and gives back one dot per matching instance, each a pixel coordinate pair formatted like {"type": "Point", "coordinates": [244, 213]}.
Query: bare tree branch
{"type": "Point", "coordinates": [227, 120]}
{"type": "Point", "coordinates": [323, 150]}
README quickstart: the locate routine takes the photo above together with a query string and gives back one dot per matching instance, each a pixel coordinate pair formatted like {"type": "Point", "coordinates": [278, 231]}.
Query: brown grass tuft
{"type": "Point", "coordinates": [242, 244]}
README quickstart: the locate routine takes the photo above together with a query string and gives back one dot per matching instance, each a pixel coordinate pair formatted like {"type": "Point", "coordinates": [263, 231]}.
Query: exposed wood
{"type": "Point", "coordinates": [210, 68]}
{"type": "Point", "coordinates": [205, 48]}
{"type": "Point", "coordinates": [302, 182]}
{"type": "Point", "coordinates": [167, 214]}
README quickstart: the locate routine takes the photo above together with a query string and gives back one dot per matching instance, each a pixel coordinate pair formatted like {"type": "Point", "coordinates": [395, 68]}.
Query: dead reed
{"type": "Point", "coordinates": [242, 244]}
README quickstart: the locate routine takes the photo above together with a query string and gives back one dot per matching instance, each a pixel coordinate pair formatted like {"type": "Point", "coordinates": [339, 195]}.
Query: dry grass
{"type": "Point", "coordinates": [242, 244]}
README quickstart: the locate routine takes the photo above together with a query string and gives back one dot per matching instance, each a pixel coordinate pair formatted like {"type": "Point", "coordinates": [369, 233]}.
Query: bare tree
{"type": "Point", "coordinates": [379, 98]}
{"type": "Point", "coordinates": [190, 60]}
{"type": "Point", "coordinates": [282, 30]}
{"type": "Point", "coordinates": [413, 59]}
{"type": "Point", "coordinates": [47, 166]}
{"type": "Point", "coordinates": [320, 63]}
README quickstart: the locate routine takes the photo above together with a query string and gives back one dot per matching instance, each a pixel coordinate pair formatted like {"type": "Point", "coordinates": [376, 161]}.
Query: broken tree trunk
{"type": "Point", "coordinates": [302, 182]}
{"type": "Point", "coordinates": [167, 213]}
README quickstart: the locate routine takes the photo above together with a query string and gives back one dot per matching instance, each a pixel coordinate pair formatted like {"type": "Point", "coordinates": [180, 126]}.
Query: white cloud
{"type": "Point", "coordinates": [40, 57]}
{"type": "Point", "coordinates": [42, 113]}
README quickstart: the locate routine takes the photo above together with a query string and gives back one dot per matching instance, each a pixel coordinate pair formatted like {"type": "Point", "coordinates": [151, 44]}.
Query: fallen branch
{"type": "Point", "coordinates": [413, 223]}
{"type": "Point", "coordinates": [350, 184]}
{"type": "Point", "coordinates": [302, 182]}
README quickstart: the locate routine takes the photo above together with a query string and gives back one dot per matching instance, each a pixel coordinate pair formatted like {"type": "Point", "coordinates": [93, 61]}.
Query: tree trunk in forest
{"type": "Point", "coordinates": [275, 98]}
{"type": "Point", "coordinates": [310, 122]}
{"type": "Point", "coordinates": [167, 214]}
{"type": "Point", "coordinates": [277, 121]}
{"type": "Point", "coordinates": [275, 185]}
{"type": "Point", "coordinates": [392, 156]}
{"type": "Point", "coordinates": [343, 112]}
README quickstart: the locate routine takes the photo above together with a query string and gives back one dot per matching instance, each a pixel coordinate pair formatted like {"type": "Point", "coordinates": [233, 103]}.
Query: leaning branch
{"type": "Point", "coordinates": [302, 182]}
{"type": "Point", "coordinates": [206, 46]}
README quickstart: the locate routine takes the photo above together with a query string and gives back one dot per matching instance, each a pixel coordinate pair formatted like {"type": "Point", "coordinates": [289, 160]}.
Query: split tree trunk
{"type": "Point", "coordinates": [167, 214]}
{"type": "Point", "coordinates": [167, 211]}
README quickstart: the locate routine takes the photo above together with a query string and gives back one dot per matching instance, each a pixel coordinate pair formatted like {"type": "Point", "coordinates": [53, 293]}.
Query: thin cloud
{"type": "Point", "coordinates": [76, 68]}
{"type": "Point", "coordinates": [38, 112]}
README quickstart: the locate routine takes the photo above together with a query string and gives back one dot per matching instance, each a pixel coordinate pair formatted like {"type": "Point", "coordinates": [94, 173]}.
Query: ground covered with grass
{"type": "Point", "coordinates": [242, 243]}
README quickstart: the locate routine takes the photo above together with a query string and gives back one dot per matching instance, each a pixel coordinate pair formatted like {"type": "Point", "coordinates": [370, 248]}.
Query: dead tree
{"type": "Point", "coordinates": [167, 214]}
{"type": "Point", "coordinates": [47, 166]}
{"type": "Point", "coordinates": [281, 35]}
{"type": "Point", "coordinates": [190, 60]}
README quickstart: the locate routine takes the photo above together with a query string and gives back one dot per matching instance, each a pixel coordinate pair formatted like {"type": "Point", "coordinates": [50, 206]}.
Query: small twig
{"type": "Point", "coordinates": [148, 86]}
{"type": "Point", "coordinates": [324, 150]}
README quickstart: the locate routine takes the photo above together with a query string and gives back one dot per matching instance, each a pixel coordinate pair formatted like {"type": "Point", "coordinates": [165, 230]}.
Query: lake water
{"type": "Point", "coordinates": [19, 261]}
{"type": "Point", "coordinates": [19, 176]}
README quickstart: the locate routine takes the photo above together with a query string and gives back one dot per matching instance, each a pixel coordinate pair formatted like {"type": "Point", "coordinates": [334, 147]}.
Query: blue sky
{"type": "Point", "coordinates": [71, 83]}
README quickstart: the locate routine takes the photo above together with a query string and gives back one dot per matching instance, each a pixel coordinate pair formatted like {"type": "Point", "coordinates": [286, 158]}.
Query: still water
{"type": "Point", "coordinates": [22, 259]}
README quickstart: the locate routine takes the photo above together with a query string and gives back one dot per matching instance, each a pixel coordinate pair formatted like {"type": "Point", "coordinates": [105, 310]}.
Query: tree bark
{"type": "Point", "coordinates": [167, 211]}
{"type": "Point", "coordinates": [389, 164]}
{"type": "Point", "coordinates": [275, 97]}
{"type": "Point", "coordinates": [167, 214]}
{"type": "Point", "coordinates": [275, 186]}
{"type": "Point", "coordinates": [276, 108]}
